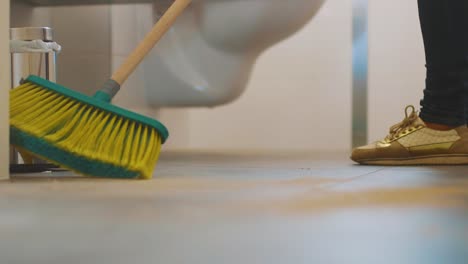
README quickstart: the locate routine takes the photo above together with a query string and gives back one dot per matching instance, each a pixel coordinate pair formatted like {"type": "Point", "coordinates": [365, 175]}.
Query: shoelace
{"type": "Point", "coordinates": [397, 129]}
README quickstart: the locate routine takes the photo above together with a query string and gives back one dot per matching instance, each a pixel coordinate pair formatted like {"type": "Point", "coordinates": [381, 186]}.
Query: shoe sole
{"type": "Point", "coordinates": [422, 160]}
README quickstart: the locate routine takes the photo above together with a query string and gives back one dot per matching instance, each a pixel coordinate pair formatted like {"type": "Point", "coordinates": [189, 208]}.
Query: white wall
{"type": "Point", "coordinates": [298, 97]}
{"type": "Point", "coordinates": [80, 67]}
{"type": "Point", "coordinates": [396, 63]}
{"type": "Point", "coordinates": [4, 86]}
{"type": "Point", "coordinates": [305, 83]}
{"type": "Point", "coordinates": [84, 63]}
{"type": "Point", "coordinates": [25, 15]}
{"type": "Point", "coordinates": [300, 93]}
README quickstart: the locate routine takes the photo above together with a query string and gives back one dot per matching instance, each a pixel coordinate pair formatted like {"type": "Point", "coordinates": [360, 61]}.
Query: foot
{"type": "Point", "coordinates": [412, 142]}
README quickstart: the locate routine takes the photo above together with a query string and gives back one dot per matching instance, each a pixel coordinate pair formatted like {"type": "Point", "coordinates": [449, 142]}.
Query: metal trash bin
{"type": "Point", "coordinates": [33, 52]}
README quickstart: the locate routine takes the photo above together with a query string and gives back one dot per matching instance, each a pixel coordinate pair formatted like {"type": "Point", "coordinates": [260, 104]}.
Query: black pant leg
{"type": "Point", "coordinates": [444, 24]}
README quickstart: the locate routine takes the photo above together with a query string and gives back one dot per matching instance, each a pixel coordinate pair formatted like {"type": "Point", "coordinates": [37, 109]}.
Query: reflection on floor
{"type": "Point", "coordinates": [224, 207]}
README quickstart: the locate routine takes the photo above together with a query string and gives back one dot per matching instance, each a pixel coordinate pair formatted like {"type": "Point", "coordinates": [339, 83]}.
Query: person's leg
{"type": "Point", "coordinates": [439, 134]}
{"type": "Point", "coordinates": [444, 25]}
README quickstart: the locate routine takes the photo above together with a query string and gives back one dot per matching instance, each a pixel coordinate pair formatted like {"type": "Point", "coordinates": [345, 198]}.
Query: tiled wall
{"type": "Point", "coordinates": [4, 87]}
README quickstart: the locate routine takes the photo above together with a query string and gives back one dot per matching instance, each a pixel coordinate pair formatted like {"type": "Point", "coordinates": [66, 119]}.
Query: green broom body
{"type": "Point", "coordinates": [88, 134]}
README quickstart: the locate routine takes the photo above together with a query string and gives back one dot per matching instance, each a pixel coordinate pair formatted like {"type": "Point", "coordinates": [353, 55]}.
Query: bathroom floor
{"type": "Point", "coordinates": [240, 207]}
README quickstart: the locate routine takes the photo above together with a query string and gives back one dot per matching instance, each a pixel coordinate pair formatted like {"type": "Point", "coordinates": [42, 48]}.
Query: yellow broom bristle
{"type": "Point", "coordinates": [84, 130]}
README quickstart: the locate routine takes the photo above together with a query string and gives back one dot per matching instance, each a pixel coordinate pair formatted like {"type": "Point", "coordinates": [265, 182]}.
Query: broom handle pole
{"type": "Point", "coordinates": [145, 46]}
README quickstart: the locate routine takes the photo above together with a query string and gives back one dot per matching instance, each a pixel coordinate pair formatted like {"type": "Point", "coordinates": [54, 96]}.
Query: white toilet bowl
{"type": "Point", "coordinates": [207, 57]}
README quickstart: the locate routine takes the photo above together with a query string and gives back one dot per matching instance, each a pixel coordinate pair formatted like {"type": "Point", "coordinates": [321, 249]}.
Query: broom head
{"type": "Point", "coordinates": [81, 133]}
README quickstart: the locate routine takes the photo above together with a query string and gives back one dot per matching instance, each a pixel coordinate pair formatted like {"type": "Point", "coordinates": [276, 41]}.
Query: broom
{"type": "Point", "coordinates": [88, 134]}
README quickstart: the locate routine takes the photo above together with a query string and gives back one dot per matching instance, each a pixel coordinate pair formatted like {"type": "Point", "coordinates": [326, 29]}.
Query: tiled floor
{"type": "Point", "coordinates": [221, 207]}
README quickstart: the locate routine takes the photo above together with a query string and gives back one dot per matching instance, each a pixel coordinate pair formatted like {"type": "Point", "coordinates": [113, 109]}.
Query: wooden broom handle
{"type": "Point", "coordinates": [145, 46]}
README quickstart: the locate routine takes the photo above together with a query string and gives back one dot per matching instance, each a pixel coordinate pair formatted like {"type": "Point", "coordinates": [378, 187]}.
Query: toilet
{"type": "Point", "coordinates": [207, 57]}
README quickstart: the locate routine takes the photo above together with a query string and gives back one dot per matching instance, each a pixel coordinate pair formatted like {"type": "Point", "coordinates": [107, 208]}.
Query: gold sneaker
{"type": "Point", "coordinates": [410, 142]}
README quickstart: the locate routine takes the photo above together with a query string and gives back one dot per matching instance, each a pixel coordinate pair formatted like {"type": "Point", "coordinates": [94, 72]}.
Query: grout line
{"type": "Point", "coordinates": [294, 168]}
{"type": "Point", "coordinates": [353, 178]}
